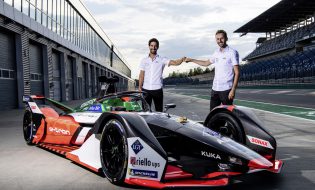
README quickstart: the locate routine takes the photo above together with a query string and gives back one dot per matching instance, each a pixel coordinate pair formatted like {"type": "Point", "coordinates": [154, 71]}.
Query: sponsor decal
{"type": "Point", "coordinates": [26, 98]}
{"type": "Point", "coordinates": [134, 161]}
{"type": "Point", "coordinates": [259, 142]}
{"type": "Point", "coordinates": [96, 108]}
{"type": "Point", "coordinates": [87, 103]}
{"type": "Point", "coordinates": [208, 131]}
{"type": "Point", "coordinates": [86, 117]}
{"type": "Point", "coordinates": [210, 155]}
{"type": "Point", "coordinates": [143, 173]}
{"type": "Point", "coordinates": [137, 146]}
{"type": "Point", "coordinates": [34, 107]}
{"type": "Point", "coordinates": [90, 115]}
{"type": "Point", "coordinates": [59, 131]}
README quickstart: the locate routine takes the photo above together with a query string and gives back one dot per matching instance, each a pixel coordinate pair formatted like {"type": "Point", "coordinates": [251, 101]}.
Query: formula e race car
{"type": "Point", "coordinates": [119, 135]}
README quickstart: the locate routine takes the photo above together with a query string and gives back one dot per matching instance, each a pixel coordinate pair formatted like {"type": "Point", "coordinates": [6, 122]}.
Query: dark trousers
{"type": "Point", "coordinates": [218, 97]}
{"type": "Point", "coordinates": [157, 96]}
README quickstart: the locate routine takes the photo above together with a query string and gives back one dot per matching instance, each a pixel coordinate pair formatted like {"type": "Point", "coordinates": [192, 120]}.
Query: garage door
{"type": "Point", "coordinates": [69, 78]}
{"type": "Point", "coordinates": [8, 83]}
{"type": "Point", "coordinates": [56, 76]}
{"type": "Point", "coordinates": [92, 80]}
{"type": "Point", "coordinates": [36, 69]}
{"type": "Point", "coordinates": [84, 80]}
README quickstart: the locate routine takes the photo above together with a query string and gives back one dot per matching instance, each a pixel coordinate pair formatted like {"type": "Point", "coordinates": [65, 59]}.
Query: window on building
{"type": "Point", "coordinates": [39, 11]}
{"type": "Point", "coordinates": [18, 4]}
{"type": "Point", "coordinates": [44, 13]}
{"type": "Point", "coordinates": [49, 8]}
{"type": "Point", "coordinates": [66, 20]}
{"type": "Point", "coordinates": [33, 9]}
{"type": "Point", "coordinates": [25, 5]}
{"type": "Point", "coordinates": [53, 18]}
{"type": "Point", "coordinates": [10, 2]}
{"type": "Point", "coordinates": [62, 17]}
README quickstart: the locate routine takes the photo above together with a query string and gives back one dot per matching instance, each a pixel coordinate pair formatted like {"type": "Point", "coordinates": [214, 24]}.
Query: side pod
{"type": "Point", "coordinates": [136, 127]}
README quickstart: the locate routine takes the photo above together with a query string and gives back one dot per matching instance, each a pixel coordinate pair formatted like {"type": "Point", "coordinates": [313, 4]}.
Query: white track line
{"type": "Point", "coordinates": [259, 109]}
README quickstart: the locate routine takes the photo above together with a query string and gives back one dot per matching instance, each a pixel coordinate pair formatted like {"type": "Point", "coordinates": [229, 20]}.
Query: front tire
{"type": "Point", "coordinates": [227, 125]}
{"type": "Point", "coordinates": [28, 127]}
{"type": "Point", "coordinates": [114, 151]}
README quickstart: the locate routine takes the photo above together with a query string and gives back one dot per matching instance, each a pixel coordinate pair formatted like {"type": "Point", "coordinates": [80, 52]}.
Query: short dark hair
{"type": "Point", "coordinates": [221, 32]}
{"type": "Point", "coordinates": [154, 40]}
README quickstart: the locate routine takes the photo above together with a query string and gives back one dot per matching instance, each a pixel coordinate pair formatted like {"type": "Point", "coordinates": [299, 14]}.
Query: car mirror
{"type": "Point", "coordinates": [168, 106]}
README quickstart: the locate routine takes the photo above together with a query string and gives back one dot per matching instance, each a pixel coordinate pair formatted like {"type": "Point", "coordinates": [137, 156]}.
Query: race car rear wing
{"type": "Point", "coordinates": [31, 101]}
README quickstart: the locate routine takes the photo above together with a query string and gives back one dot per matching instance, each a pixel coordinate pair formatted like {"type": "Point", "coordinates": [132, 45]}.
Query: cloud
{"type": "Point", "coordinates": [184, 28]}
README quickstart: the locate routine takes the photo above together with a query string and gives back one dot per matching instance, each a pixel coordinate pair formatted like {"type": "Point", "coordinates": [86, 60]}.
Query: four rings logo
{"type": "Point", "coordinates": [59, 131]}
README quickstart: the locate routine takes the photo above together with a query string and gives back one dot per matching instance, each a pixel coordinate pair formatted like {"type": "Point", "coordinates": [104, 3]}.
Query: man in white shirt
{"type": "Point", "coordinates": [226, 65]}
{"type": "Point", "coordinates": [151, 71]}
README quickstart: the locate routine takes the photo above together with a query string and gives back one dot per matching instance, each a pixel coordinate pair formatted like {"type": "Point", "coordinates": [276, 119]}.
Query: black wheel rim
{"type": "Point", "coordinates": [225, 127]}
{"type": "Point", "coordinates": [113, 149]}
{"type": "Point", "coordinates": [28, 126]}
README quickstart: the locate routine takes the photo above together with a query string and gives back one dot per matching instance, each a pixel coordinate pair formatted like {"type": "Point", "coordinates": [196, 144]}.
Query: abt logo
{"type": "Point", "coordinates": [259, 142]}
{"type": "Point", "coordinates": [137, 146]}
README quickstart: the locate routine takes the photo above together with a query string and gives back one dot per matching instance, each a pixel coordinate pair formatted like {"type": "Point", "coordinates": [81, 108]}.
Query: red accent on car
{"type": "Point", "coordinates": [231, 108]}
{"type": "Point", "coordinates": [49, 112]}
{"type": "Point", "coordinates": [40, 132]}
{"type": "Point", "coordinates": [173, 172]}
{"type": "Point", "coordinates": [269, 157]}
{"type": "Point", "coordinates": [60, 130]}
{"type": "Point", "coordinates": [216, 174]}
{"type": "Point", "coordinates": [260, 163]}
{"type": "Point", "coordinates": [277, 166]}
{"type": "Point", "coordinates": [228, 107]}
{"type": "Point", "coordinates": [126, 99]}
{"type": "Point", "coordinates": [181, 183]}
{"type": "Point", "coordinates": [37, 96]}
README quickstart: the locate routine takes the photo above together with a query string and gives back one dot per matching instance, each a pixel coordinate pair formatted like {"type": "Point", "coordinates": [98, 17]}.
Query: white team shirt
{"type": "Point", "coordinates": [224, 62]}
{"type": "Point", "coordinates": [153, 71]}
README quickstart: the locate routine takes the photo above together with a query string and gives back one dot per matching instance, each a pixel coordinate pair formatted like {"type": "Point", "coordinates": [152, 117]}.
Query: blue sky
{"type": "Point", "coordinates": [183, 27]}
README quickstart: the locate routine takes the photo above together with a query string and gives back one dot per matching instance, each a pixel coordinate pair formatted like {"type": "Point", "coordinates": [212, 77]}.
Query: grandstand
{"type": "Point", "coordinates": [286, 55]}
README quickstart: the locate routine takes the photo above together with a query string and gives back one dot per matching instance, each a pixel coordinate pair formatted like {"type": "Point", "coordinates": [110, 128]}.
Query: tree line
{"type": "Point", "coordinates": [192, 72]}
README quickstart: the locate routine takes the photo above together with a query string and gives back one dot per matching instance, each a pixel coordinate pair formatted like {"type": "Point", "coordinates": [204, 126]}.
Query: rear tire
{"type": "Point", "coordinates": [114, 151]}
{"type": "Point", "coordinates": [28, 127]}
{"type": "Point", "coordinates": [227, 125]}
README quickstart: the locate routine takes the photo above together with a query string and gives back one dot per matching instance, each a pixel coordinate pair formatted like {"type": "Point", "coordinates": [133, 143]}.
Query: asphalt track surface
{"type": "Point", "coordinates": [294, 102]}
{"type": "Point", "coordinates": [30, 167]}
{"type": "Point", "coordinates": [291, 97]}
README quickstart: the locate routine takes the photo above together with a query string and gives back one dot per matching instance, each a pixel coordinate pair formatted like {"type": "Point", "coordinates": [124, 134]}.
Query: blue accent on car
{"type": "Point", "coordinates": [143, 173]}
{"type": "Point", "coordinates": [95, 108]}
